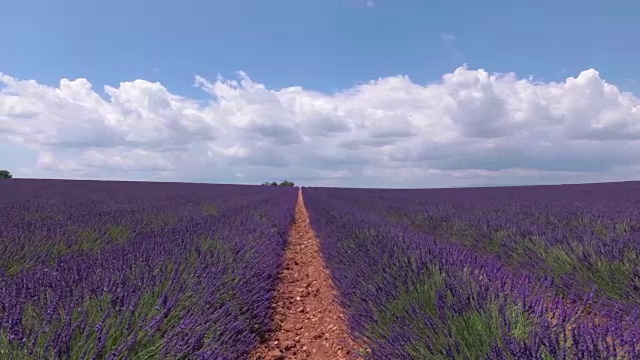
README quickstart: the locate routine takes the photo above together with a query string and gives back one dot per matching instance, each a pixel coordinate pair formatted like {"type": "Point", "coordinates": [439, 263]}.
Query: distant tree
{"type": "Point", "coordinates": [284, 183]}
{"type": "Point", "coordinates": [5, 174]}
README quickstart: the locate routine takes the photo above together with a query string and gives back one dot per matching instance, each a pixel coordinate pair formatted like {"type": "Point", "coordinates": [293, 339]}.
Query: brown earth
{"type": "Point", "coordinates": [310, 324]}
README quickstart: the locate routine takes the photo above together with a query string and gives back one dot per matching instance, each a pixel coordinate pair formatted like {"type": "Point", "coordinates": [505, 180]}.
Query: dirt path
{"type": "Point", "coordinates": [310, 323]}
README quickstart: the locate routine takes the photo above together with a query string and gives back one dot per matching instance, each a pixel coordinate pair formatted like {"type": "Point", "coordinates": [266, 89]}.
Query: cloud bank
{"type": "Point", "coordinates": [470, 128]}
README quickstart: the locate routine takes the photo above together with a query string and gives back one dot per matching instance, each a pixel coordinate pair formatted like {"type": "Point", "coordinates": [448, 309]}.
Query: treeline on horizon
{"type": "Point", "coordinates": [273, 183]}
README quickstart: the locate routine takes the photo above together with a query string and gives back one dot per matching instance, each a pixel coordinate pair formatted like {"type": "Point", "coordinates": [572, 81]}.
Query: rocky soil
{"type": "Point", "coordinates": [310, 323]}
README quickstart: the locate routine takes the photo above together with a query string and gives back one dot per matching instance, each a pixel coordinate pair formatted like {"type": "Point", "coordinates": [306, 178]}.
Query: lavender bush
{"type": "Point", "coordinates": [122, 270]}
{"type": "Point", "coordinates": [421, 275]}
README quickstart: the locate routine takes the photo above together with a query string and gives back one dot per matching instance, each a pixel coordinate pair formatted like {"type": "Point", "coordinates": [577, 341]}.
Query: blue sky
{"type": "Point", "coordinates": [327, 46]}
{"type": "Point", "coordinates": [318, 44]}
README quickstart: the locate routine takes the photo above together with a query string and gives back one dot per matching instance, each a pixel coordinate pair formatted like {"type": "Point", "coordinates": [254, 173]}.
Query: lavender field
{"type": "Point", "coordinates": [545, 272]}
{"type": "Point", "coordinates": [125, 270]}
{"type": "Point", "coordinates": [119, 270]}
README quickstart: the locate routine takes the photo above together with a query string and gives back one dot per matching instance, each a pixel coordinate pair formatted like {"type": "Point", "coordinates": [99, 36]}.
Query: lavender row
{"type": "Point", "coordinates": [58, 218]}
{"type": "Point", "coordinates": [409, 296]}
{"type": "Point", "coordinates": [580, 235]}
{"type": "Point", "coordinates": [192, 278]}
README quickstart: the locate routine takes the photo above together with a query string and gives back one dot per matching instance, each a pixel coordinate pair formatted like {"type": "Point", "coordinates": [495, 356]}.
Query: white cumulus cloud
{"type": "Point", "coordinates": [470, 128]}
